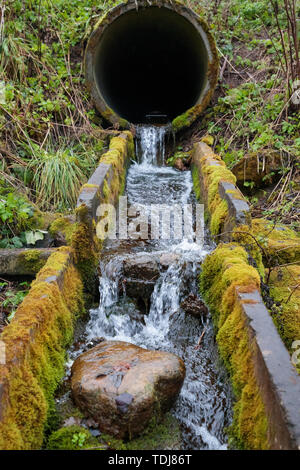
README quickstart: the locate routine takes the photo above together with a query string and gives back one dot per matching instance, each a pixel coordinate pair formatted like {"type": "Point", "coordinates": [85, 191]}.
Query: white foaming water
{"type": "Point", "coordinates": [150, 144]}
{"type": "Point", "coordinates": [203, 405]}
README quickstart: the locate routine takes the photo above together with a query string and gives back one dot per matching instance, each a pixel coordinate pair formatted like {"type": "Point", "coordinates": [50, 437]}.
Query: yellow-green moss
{"type": "Point", "coordinates": [284, 285]}
{"type": "Point", "coordinates": [236, 194]}
{"type": "Point", "coordinates": [111, 116]}
{"type": "Point", "coordinates": [183, 120]}
{"type": "Point", "coordinates": [218, 216]}
{"type": "Point", "coordinates": [281, 243]}
{"type": "Point", "coordinates": [223, 271]}
{"type": "Point", "coordinates": [36, 341]}
{"type": "Point", "coordinates": [89, 186]}
{"type": "Point", "coordinates": [31, 260]}
{"type": "Point", "coordinates": [208, 139]}
{"type": "Point", "coordinates": [158, 435]}
{"type": "Point", "coordinates": [214, 174]}
{"type": "Point", "coordinates": [196, 182]}
{"type": "Point", "coordinates": [86, 247]}
{"type": "Point", "coordinates": [254, 247]}
{"type": "Point", "coordinates": [249, 427]}
{"type": "Point", "coordinates": [65, 226]}
{"type": "Point", "coordinates": [73, 438]}
{"type": "Point", "coordinates": [208, 192]}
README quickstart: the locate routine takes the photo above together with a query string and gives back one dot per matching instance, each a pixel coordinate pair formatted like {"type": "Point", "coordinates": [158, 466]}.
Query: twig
{"type": "Point", "coordinates": [200, 339]}
{"type": "Point", "coordinates": [293, 291]}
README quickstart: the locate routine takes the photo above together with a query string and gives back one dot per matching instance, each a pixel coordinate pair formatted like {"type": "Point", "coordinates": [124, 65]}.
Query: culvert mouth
{"type": "Point", "coordinates": [154, 62]}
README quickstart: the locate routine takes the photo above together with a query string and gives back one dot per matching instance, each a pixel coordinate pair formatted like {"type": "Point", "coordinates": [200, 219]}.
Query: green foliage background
{"type": "Point", "coordinates": [49, 130]}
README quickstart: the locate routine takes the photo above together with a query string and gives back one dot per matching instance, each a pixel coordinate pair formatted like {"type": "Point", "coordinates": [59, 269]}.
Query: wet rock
{"type": "Point", "coordinates": [73, 420]}
{"type": "Point", "coordinates": [167, 259]}
{"type": "Point", "coordinates": [137, 316]}
{"type": "Point", "coordinates": [84, 346]}
{"type": "Point", "coordinates": [141, 267]}
{"type": "Point", "coordinates": [139, 290]}
{"type": "Point", "coordinates": [140, 274]}
{"type": "Point", "coordinates": [179, 165]}
{"type": "Point", "coordinates": [122, 386]}
{"type": "Point", "coordinates": [194, 306]}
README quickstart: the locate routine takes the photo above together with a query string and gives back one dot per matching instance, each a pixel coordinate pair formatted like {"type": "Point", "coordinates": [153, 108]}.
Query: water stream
{"type": "Point", "coordinates": [204, 404]}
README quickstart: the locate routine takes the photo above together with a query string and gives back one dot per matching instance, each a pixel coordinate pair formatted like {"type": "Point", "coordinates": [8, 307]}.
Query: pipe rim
{"type": "Point", "coordinates": [185, 119]}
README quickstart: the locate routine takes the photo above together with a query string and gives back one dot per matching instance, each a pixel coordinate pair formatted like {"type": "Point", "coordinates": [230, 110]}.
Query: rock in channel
{"type": "Point", "coordinates": [122, 386]}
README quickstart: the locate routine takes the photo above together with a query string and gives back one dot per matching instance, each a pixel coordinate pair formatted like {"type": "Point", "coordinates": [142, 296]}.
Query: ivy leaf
{"type": "Point", "coordinates": [33, 236]}
{"type": "Point", "coordinates": [17, 243]}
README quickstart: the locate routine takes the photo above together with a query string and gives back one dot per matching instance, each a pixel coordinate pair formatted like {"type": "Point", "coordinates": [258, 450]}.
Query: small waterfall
{"type": "Point", "coordinates": [202, 408]}
{"type": "Point", "coordinates": [150, 144]}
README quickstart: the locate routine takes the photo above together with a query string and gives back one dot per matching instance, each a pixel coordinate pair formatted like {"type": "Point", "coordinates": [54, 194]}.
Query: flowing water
{"type": "Point", "coordinates": [203, 406]}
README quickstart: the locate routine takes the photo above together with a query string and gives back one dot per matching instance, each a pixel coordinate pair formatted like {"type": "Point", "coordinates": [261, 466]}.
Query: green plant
{"type": "Point", "coordinates": [79, 439]}
{"type": "Point", "coordinates": [57, 176]}
{"type": "Point", "coordinates": [72, 438]}
{"type": "Point", "coordinates": [17, 217]}
{"type": "Point", "coordinates": [12, 297]}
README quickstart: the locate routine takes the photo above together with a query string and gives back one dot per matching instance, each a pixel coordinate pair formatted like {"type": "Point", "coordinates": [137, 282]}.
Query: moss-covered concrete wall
{"type": "Point", "coordinates": [35, 352]}
{"type": "Point", "coordinates": [265, 382]}
{"type": "Point", "coordinates": [104, 186]}
{"type": "Point", "coordinates": [225, 207]}
{"type": "Point", "coordinates": [42, 328]}
{"type": "Point", "coordinates": [23, 261]}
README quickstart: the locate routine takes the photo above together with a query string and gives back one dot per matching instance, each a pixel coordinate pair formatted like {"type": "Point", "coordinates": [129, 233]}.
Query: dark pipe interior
{"type": "Point", "coordinates": [150, 61]}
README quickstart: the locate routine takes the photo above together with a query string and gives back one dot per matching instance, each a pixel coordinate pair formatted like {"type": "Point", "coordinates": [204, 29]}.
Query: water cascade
{"type": "Point", "coordinates": [202, 408]}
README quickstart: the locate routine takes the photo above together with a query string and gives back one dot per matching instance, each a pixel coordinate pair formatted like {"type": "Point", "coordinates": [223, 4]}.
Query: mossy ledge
{"type": "Point", "coordinates": [265, 412]}
{"type": "Point", "coordinates": [35, 351]}
{"type": "Point", "coordinates": [222, 272]}
{"type": "Point", "coordinates": [225, 206]}
{"type": "Point", "coordinates": [104, 186]}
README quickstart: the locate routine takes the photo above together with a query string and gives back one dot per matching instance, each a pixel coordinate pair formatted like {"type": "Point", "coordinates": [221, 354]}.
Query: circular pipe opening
{"type": "Point", "coordinates": [150, 64]}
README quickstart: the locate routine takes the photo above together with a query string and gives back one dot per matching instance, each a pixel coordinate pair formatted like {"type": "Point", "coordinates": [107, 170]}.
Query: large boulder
{"type": "Point", "coordinates": [122, 386]}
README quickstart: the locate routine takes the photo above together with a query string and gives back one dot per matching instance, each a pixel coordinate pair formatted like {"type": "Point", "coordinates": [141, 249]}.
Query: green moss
{"type": "Point", "coordinates": [284, 289]}
{"type": "Point", "coordinates": [86, 247]}
{"type": "Point", "coordinates": [243, 235]}
{"type": "Point", "coordinates": [181, 121]}
{"type": "Point", "coordinates": [223, 272]}
{"type": "Point", "coordinates": [31, 260]}
{"type": "Point", "coordinates": [218, 217]}
{"type": "Point", "coordinates": [73, 438]}
{"type": "Point", "coordinates": [236, 194]}
{"type": "Point", "coordinates": [36, 341]}
{"type": "Point", "coordinates": [196, 182]}
{"type": "Point", "coordinates": [249, 427]}
{"type": "Point", "coordinates": [280, 242]}
{"type": "Point", "coordinates": [208, 139]}
{"type": "Point", "coordinates": [111, 116]}
{"type": "Point", "coordinates": [65, 226]}
{"type": "Point", "coordinates": [209, 169]}
{"type": "Point", "coordinates": [224, 269]}
{"type": "Point", "coordinates": [158, 435]}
